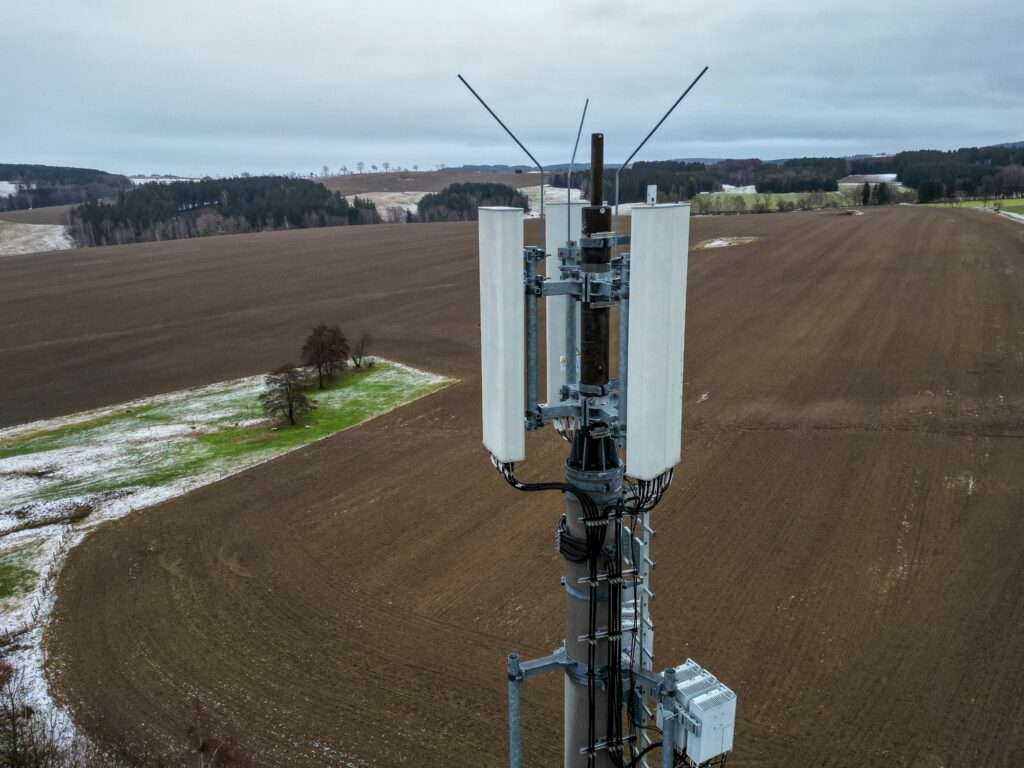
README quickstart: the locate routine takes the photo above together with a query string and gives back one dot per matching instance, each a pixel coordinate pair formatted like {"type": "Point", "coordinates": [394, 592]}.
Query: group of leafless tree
{"type": "Point", "coordinates": [343, 170]}
{"type": "Point", "coordinates": [326, 353]}
{"type": "Point", "coordinates": [761, 203]}
{"type": "Point", "coordinates": [30, 738]}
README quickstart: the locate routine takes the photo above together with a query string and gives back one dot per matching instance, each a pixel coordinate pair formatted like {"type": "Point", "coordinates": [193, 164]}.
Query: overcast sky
{"type": "Point", "coordinates": [220, 87]}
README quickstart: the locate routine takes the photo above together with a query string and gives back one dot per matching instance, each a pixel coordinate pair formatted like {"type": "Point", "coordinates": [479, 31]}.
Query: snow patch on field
{"type": "Point", "coordinates": [723, 242]}
{"type": "Point", "coordinates": [385, 200]}
{"type": "Point", "coordinates": [409, 201]}
{"type": "Point", "coordinates": [33, 238]}
{"type": "Point", "coordinates": [551, 195]}
{"type": "Point", "coordinates": [870, 178]}
{"type": "Point", "coordinates": [104, 464]}
{"type": "Point", "coordinates": [961, 481]}
{"type": "Point", "coordinates": [137, 180]}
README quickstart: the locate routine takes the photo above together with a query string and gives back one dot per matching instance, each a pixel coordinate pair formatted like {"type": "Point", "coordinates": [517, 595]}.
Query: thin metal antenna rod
{"type": "Point", "coordinates": [568, 179]}
{"type": "Point", "coordinates": [615, 223]}
{"type": "Point", "coordinates": [517, 141]}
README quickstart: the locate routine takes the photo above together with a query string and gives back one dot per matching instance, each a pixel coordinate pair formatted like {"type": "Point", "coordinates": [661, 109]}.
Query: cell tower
{"type": "Point", "coordinates": [618, 709]}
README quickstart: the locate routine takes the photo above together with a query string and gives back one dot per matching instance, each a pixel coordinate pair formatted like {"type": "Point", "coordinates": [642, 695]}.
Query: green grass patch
{"type": "Point", "coordinates": [48, 439]}
{"type": "Point", "coordinates": [724, 201]}
{"type": "Point", "coordinates": [16, 577]}
{"type": "Point", "coordinates": [215, 430]}
{"type": "Point", "coordinates": [1013, 204]}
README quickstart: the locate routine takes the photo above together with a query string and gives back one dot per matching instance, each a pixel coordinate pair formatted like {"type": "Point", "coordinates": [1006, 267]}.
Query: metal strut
{"type": "Point", "coordinates": [516, 140]}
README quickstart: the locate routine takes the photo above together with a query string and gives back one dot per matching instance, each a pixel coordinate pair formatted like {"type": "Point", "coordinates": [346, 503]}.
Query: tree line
{"type": "Point", "coordinates": [805, 174]}
{"type": "Point", "coordinates": [215, 206]}
{"type": "Point", "coordinates": [763, 203]}
{"type": "Point", "coordinates": [966, 172]}
{"type": "Point", "coordinates": [677, 180]}
{"type": "Point", "coordinates": [43, 185]}
{"type": "Point", "coordinates": [459, 202]}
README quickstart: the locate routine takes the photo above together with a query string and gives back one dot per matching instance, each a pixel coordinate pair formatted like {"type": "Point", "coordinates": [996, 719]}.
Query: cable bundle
{"type": "Point", "coordinates": [644, 495]}
{"type": "Point", "coordinates": [641, 497]}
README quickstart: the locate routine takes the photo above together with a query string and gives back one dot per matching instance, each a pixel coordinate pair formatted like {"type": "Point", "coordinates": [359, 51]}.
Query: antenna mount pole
{"type": "Point", "coordinates": [592, 639]}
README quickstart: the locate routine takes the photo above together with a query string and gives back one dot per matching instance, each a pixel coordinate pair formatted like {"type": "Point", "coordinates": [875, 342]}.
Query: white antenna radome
{"type": "Point", "coordinates": [502, 347]}
{"type": "Point", "coordinates": [560, 226]}
{"type": "Point", "coordinates": [657, 318]}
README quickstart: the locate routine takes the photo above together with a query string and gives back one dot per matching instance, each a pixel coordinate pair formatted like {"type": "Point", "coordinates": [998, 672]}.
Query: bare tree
{"type": "Point", "coordinates": [386, 166]}
{"type": "Point", "coordinates": [360, 166]}
{"type": "Point", "coordinates": [359, 356]}
{"type": "Point", "coordinates": [326, 348]}
{"type": "Point", "coordinates": [325, 171]}
{"type": "Point", "coordinates": [415, 167]}
{"type": "Point", "coordinates": [23, 737]}
{"type": "Point", "coordinates": [30, 738]}
{"type": "Point", "coordinates": [373, 168]}
{"type": "Point", "coordinates": [284, 395]}
{"type": "Point", "coordinates": [343, 170]}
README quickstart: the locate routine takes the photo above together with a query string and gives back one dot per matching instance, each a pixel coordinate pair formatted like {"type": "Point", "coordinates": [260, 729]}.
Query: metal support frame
{"type": "Point", "coordinates": [623, 346]}
{"type": "Point", "coordinates": [606, 404]}
{"type": "Point", "coordinates": [569, 258]}
{"type": "Point", "coordinates": [660, 687]}
{"type": "Point", "coordinates": [515, 746]}
{"type": "Point", "coordinates": [518, 672]}
{"type": "Point", "coordinates": [531, 256]}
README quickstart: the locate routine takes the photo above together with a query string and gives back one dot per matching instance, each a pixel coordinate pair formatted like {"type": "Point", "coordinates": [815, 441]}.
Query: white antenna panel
{"type": "Point", "coordinates": [562, 222]}
{"type": "Point", "coordinates": [502, 344]}
{"type": "Point", "coordinates": [660, 240]}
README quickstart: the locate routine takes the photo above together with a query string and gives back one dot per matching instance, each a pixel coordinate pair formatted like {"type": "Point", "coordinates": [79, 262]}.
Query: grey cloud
{"type": "Point", "coordinates": [223, 87]}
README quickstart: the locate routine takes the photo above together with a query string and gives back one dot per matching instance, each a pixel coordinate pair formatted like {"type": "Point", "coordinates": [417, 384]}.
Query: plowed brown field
{"type": "Point", "coordinates": [54, 214]}
{"type": "Point", "coordinates": [843, 545]}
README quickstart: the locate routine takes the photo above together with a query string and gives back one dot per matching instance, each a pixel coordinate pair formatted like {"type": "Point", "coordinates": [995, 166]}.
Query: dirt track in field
{"type": "Point", "coordinates": [843, 544]}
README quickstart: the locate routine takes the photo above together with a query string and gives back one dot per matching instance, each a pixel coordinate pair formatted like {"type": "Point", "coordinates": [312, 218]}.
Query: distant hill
{"type": "Point", "coordinates": [493, 168]}
{"type": "Point", "coordinates": [39, 186]}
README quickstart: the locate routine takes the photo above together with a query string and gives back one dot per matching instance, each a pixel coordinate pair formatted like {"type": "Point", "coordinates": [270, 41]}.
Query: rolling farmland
{"type": "Point", "coordinates": [53, 214]}
{"type": "Point", "coordinates": [845, 520]}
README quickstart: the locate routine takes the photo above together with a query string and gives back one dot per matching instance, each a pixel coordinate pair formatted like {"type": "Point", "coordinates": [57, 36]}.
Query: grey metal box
{"type": "Point", "coordinates": [716, 713]}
